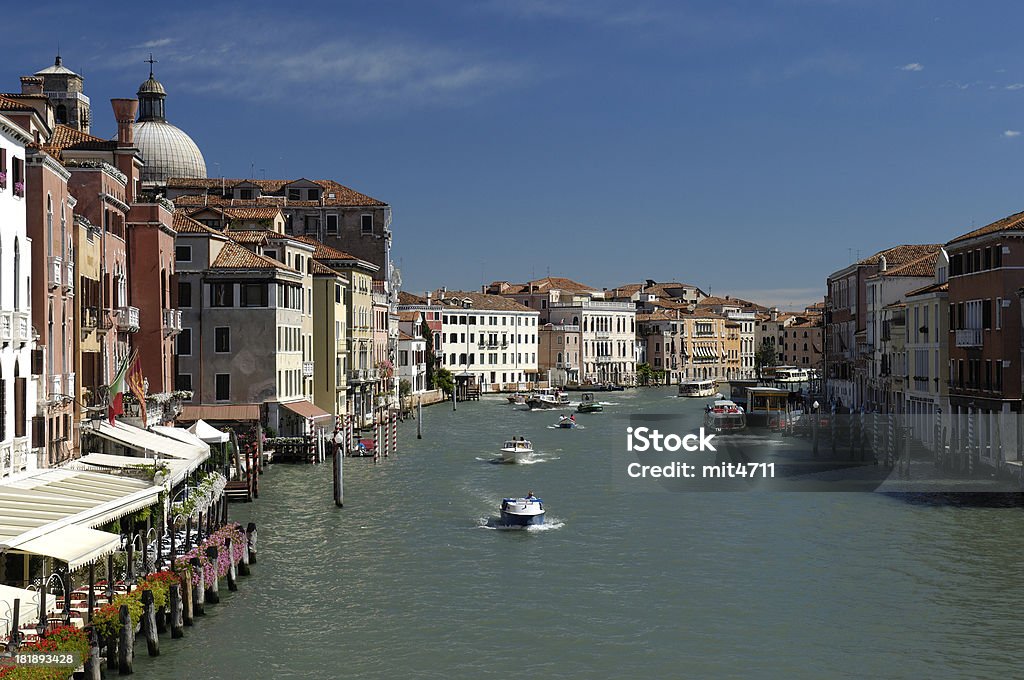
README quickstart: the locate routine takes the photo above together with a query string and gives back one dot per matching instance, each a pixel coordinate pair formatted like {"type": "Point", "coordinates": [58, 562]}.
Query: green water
{"type": "Point", "coordinates": [407, 581]}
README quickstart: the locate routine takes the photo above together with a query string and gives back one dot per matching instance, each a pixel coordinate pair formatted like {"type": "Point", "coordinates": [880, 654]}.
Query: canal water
{"type": "Point", "coordinates": [408, 580]}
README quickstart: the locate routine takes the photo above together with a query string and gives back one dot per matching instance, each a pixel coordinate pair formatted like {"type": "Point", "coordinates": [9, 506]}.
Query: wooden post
{"type": "Point", "coordinates": [338, 477]}
{"type": "Point", "coordinates": [126, 643]}
{"type": "Point", "coordinates": [177, 611]}
{"type": "Point", "coordinates": [394, 432]}
{"type": "Point", "coordinates": [419, 418]}
{"type": "Point", "coordinates": [212, 588]}
{"type": "Point", "coordinates": [224, 507]}
{"type": "Point", "coordinates": [110, 577]}
{"type": "Point", "coordinates": [173, 552]}
{"type": "Point", "coordinates": [250, 534]}
{"type": "Point", "coordinates": [198, 589]}
{"type": "Point", "coordinates": [259, 471]}
{"type": "Point", "coordinates": [92, 666]}
{"type": "Point", "coordinates": [149, 623]}
{"type": "Point", "coordinates": [232, 574]}
{"type": "Point", "coordinates": [159, 544]}
{"type": "Point", "coordinates": [243, 563]}
{"type": "Point", "coordinates": [199, 528]}
{"type": "Point", "coordinates": [112, 655]}
{"type": "Point", "coordinates": [186, 602]}
{"type": "Point", "coordinates": [455, 399]}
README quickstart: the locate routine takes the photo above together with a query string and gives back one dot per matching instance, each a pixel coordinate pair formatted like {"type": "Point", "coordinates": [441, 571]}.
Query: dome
{"type": "Point", "coordinates": [167, 152]}
{"type": "Point", "coordinates": [152, 86]}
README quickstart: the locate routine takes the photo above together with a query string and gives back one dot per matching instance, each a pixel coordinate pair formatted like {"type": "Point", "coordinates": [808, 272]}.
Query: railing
{"type": "Point", "coordinates": [89, 317]}
{"type": "Point", "coordinates": [55, 382]}
{"type": "Point", "coordinates": [69, 385]}
{"type": "Point", "coordinates": [128, 319]}
{"type": "Point", "coordinates": [6, 457]}
{"type": "Point", "coordinates": [171, 321]}
{"type": "Point", "coordinates": [307, 369]}
{"type": "Point", "coordinates": [6, 327]}
{"type": "Point", "coordinates": [19, 457]}
{"type": "Point", "coordinates": [22, 327]}
{"type": "Point", "coordinates": [968, 337]}
{"type": "Point", "coordinates": [69, 275]}
{"type": "Point", "coordinates": [56, 270]}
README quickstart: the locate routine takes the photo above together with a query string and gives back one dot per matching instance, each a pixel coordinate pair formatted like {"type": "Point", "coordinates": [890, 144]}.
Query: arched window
{"type": "Point", "coordinates": [17, 274]}
{"type": "Point", "coordinates": [49, 225]}
{"type": "Point", "coordinates": [559, 357]}
{"type": "Point", "coordinates": [61, 114]}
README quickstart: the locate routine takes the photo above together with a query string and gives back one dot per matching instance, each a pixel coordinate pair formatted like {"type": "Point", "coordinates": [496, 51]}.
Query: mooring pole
{"type": "Point", "coordinates": [419, 418]}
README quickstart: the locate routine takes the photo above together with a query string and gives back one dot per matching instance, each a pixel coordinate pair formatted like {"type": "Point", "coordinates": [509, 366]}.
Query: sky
{"type": "Point", "coordinates": [749, 148]}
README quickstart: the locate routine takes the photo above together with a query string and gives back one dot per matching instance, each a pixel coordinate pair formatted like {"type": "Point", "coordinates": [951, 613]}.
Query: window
{"type": "Point", "coordinates": [222, 295]}
{"type": "Point", "coordinates": [222, 340]}
{"type": "Point", "coordinates": [183, 381]}
{"type": "Point", "coordinates": [185, 342]}
{"type": "Point", "coordinates": [332, 224]}
{"type": "Point", "coordinates": [223, 386]}
{"type": "Point", "coordinates": [184, 294]}
{"type": "Point", "coordinates": [254, 295]}
{"type": "Point", "coordinates": [366, 223]}
{"type": "Point", "coordinates": [245, 194]}
{"type": "Point", "coordinates": [293, 194]}
{"type": "Point", "coordinates": [182, 253]}
{"type": "Point", "coordinates": [313, 194]}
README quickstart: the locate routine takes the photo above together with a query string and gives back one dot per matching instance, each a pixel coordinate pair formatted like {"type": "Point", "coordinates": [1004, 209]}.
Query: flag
{"type": "Point", "coordinates": [115, 405]}
{"type": "Point", "coordinates": [137, 385]}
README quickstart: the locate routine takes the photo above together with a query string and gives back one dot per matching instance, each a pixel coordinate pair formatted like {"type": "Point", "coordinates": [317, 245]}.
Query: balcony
{"type": "Point", "coordinates": [128, 319]}
{"type": "Point", "coordinates": [69, 385]}
{"type": "Point", "coordinates": [55, 385]}
{"type": "Point", "coordinates": [968, 337]}
{"type": "Point", "coordinates": [90, 317]}
{"type": "Point", "coordinates": [307, 369]}
{"type": "Point", "coordinates": [22, 328]}
{"type": "Point", "coordinates": [69, 276]}
{"type": "Point", "coordinates": [6, 327]}
{"type": "Point", "coordinates": [55, 271]}
{"type": "Point", "coordinates": [171, 321]}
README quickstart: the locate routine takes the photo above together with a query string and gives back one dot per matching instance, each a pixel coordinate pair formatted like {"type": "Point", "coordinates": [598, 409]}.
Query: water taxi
{"type": "Point", "coordinates": [567, 422]}
{"type": "Point", "coordinates": [791, 374]}
{"type": "Point", "coordinates": [514, 450]}
{"type": "Point", "coordinates": [766, 405]}
{"type": "Point", "coordinates": [518, 398]}
{"type": "Point", "coordinates": [522, 512]}
{"type": "Point", "coordinates": [724, 415]}
{"type": "Point", "coordinates": [588, 404]}
{"type": "Point", "coordinates": [548, 398]}
{"type": "Point", "coordinates": [697, 388]}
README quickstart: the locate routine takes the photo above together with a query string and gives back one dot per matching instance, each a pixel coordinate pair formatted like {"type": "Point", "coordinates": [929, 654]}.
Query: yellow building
{"type": "Point", "coordinates": [330, 339]}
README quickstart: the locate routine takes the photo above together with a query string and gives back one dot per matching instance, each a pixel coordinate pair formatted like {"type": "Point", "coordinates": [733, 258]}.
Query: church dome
{"type": "Point", "coordinates": [167, 152]}
{"type": "Point", "coordinates": [165, 149]}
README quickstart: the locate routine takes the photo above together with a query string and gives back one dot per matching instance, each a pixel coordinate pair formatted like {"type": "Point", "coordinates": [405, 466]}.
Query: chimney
{"type": "Point", "coordinates": [125, 111]}
{"type": "Point", "coordinates": [883, 265]}
{"type": "Point", "coordinates": [31, 85]}
{"type": "Point", "coordinates": [428, 296]}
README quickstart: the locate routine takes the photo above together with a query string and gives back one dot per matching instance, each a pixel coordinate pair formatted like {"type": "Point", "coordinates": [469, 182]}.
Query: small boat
{"type": "Point", "coordinates": [697, 388]}
{"type": "Point", "coordinates": [788, 374]}
{"type": "Point", "coordinates": [514, 450]}
{"type": "Point", "coordinates": [588, 404]}
{"type": "Point", "coordinates": [522, 512]}
{"type": "Point", "coordinates": [724, 415]}
{"type": "Point", "coordinates": [547, 399]}
{"type": "Point", "coordinates": [518, 398]}
{"type": "Point", "coordinates": [614, 387]}
{"type": "Point", "coordinates": [364, 448]}
{"type": "Point", "coordinates": [567, 422]}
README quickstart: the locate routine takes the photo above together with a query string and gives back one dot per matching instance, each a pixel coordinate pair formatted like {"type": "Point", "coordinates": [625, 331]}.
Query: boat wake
{"type": "Point", "coordinates": [495, 524]}
{"type": "Point", "coordinates": [530, 460]}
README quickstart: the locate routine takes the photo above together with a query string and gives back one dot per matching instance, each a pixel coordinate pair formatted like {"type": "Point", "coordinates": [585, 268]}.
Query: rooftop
{"type": "Point", "coordinates": [235, 256]}
{"type": "Point", "coordinates": [333, 193]}
{"type": "Point", "coordinates": [479, 301]}
{"type": "Point", "coordinates": [1013, 222]}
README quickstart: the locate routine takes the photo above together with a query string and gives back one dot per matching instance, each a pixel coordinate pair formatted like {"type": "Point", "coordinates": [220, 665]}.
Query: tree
{"type": "Point", "coordinates": [428, 337]}
{"type": "Point", "coordinates": [645, 375]}
{"type": "Point", "coordinates": [443, 380]}
{"type": "Point", "coordinates": [404, 388]}
{"type": "Point", "coordinates": [765, 357]}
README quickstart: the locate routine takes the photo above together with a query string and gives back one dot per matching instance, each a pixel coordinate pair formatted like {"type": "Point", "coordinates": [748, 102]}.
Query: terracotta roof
{"type": "Point", "coordinates": [249, 213]}
{"type": "Point", "coordinates": [323, 251]}
{"type": "Point", "coordinates": [402, 335]}
{"type": "Point", "coordinates": [410, 299]}
{"type": "Point", "coordinates": [11, 104]}
{"type": "Point", "coordinates": [922, 266]}
{"type": "Point", "coordinates": [68, 138]}
{"type": "Point", "coordinates": [183, 224]}
{"type": "Point", "coordinates": [542, 285]}
{"type": "Point", "coordinates": [219, 412]}
{"type": "Point", "coordinates": [343, 195]}
{"type": "Point", "coordinates": [249, 236]}
{"type": "Point", "coordinates": [479, 301]}
{"type": "Point", "coordinates": [898, 256]}
{"type": "Point", "coordinates": [408, 315]}
{"type": "Point", "coordinates": [1014, 222]}
{"type": "Point", "coordinates": [235, 256]}
{"type": "Point", "coordinates": [715, 301]}
{"type": "Point", "coordinates": [319, 269]}
{"type": "Point", "coordinates": [930, 288]}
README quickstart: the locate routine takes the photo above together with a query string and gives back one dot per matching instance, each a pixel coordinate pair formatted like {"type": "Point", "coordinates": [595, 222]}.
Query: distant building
{"type": "Point", "coordinates": [559, 349]}
{"type": "Point", "coordinates": [927, 346]}
{"type": "Point", "coordinates": [166, 149]}
{"type": "Point", "coordinates": [412, 352]}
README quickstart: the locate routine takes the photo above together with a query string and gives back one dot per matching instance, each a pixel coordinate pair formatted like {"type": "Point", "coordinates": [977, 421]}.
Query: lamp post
{"type": "Point", "coordinates": [814, 426]}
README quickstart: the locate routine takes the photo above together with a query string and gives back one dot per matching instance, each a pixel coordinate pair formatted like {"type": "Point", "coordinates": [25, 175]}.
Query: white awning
{"type": "Point", "coordinates": [179, 469]}
{"type": "Point", "coordinates": [46, 500]}
{"type": "Point", "coordinates": [144, 440]}
{"type": "Point", "coordinates": [182, 435]}
{"type": "Point", "coordinates": [74, 545]}
{"type": "Point", "coordinates": [28, 611]}
{"type": "Point", "coordinates": [208, 433]}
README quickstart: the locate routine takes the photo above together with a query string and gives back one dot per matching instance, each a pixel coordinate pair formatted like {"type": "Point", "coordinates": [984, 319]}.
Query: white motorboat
{"type": "Point", "coordinates": [724, 415]}
{"type": "Point", "coordinates": [548, 399]}
{"type": "Point", "coordinates": [515, 450]}
{"type": "Point", "coordinates": [788, 374]}
{"type": "Point", "coordinates": [522, 512]}
{"type": "Point", "coordinates": [697, 388]}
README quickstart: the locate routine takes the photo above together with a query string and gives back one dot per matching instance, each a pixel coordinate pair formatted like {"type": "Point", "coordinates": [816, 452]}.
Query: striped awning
{"type": "Point", "coordinates": [704, 352]}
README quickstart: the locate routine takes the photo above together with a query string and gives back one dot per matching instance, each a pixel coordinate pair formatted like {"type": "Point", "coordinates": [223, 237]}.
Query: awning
{"type": "Point", "coordinates": [704, 352]}
{"type": "Point", "coordinates": [182, 435]}
{"type": "Point", "coordinates": [220, 412]}
{"type": "Point", "coordinates": [46, 500]}
{"type": "Point", "coordinates": [208, 433]}
{"type": "Point", "coordinates": [29, 607]}
{"type": "Point", "coordinates": [144, 440]}
{"type": "Point", "coordinates": [179, 469]}
{"type": "Point", "coordinates": [306, 409]}
{"type": "Point", "coordinates": [75, 545]}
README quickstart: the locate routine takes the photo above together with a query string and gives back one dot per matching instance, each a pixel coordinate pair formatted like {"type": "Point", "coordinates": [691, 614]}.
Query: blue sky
{"type": "Point", "coordinates": [749, 147]}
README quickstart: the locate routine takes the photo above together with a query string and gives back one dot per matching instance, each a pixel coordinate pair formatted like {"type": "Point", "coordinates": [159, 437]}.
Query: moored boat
{"type": "Point", "coordinates": [514, 450]}
{"type": "Point", "coordinates": [588, 404]}
{"type": "Point", "coordinates": [548, 398]}
{"type": "Point", "coordinates": [724, 415]}
{"type": "Point", "coordinates": [697, 388]}
{"type": "Point", "coordinates": [522, 512]}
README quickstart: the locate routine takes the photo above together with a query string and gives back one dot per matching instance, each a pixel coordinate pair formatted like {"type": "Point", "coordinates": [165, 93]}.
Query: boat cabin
{"type": "Point", "coordinates": [763, 403]}
{"type": "Point", "coordinates": [697, 388]}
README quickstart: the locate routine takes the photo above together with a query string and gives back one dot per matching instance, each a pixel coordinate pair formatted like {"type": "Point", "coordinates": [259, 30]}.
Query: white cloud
{"type": "Point", "coordinates": [912, 66]}
{"type": "Point", "coordinates": [1011, 133]}
{"type": "Point", "coordinates": [1015, 86]}
{"type": "Point", "coordinates": [149, 44]}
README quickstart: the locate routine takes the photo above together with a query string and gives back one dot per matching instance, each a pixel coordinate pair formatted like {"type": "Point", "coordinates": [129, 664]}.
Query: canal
{"type": "Point", "coordinates": [408, 580]}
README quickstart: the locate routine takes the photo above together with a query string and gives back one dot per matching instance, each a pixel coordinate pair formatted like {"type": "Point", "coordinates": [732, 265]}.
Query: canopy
{"type": "Point", "coordinates": [181, 435]}
{"type": "Point", "coordinates": [179, 469]}
{"type": "Point", "coordinates": [208, 433]}
{"type": "Point", "coordinates": [144, 440]}
{"type": "Point", "coordinates": [306, 409]}
{"type": "Point", "coordinates": [75, 545]}
{"type": "Point", "coordinates": [29, 607]}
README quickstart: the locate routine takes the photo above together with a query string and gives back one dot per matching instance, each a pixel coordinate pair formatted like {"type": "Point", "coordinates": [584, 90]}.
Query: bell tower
{"type": "Point", "coordinates": [64, 88]}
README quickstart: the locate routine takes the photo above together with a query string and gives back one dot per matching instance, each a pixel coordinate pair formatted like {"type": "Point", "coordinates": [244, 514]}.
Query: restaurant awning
{"type": "Point", "coordinates": [29, 607]}
{"type": "Point", "coordinates": [143, 440]}
{"type": "Point", "coordinates": [182, 435]}
{"type": "Point", "coordinates": [208, 433]}
{"type": "Point", "coordinates": [46, 500]}
{"type": "Point", "coordinates": [74, 545]}
{"type": "Point", "coordinates": [178, 469]}
{"type": "Point", "coordinates": [219, 412]}
{"type": "Point", "coordinates": [306, 409]}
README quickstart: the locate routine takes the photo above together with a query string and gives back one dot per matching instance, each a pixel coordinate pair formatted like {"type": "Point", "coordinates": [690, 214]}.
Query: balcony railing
{"type": "Point", "coordinates": [171, 321]}
{"type": "Point", "coordinates": [6, 327]}
{"type": "Point", "coordinates": [55, 384]}
{"type": "Point", "coordinates": [69, 275]}
{"type": "Point", "coordinates": [128, 319]}
{"type": "Point", "coordinates": [69, 385]}
{"type": "Point", "coordinates": [307, 369]}
{"type": "Point", "coordinates": [968, 337]}
{"type": "Point", "coordinates": [22, 327]}
{"type": "Point", "coordinates": [55, 271]}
